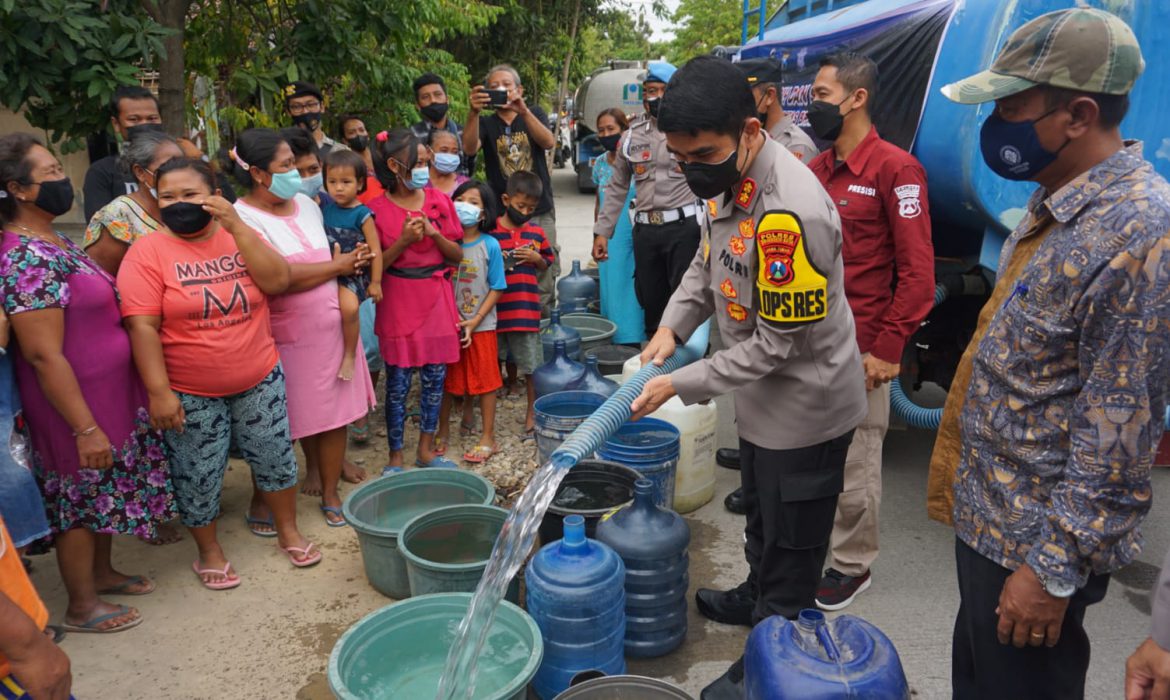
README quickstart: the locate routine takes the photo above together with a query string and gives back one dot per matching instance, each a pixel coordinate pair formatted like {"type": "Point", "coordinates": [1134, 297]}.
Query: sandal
{"type": "Point", "coordinates": [389, 470]}
{"type": "Point", "coordinates": [480, 454]}
{"type": "Point", "coordinates": [270, 521]}
{"type": "Point", "coordinates": [359, 435]}
{"type": "Point", "coordinates": [438, 462]}
{"type": "Point", "coordinates": [308, 556]}
{"type": "Point", "coordinates": [91, 626]}
{"type": "Point", "coordinates": [439, 446]}
{"type": "Point", "coordinates": [55, 633]}
{"type": "Point", "coordinates": [333, 510]}
{"type": "Point", "coordinates": [228, 582]}
{"type": "Point", "coordinates": [529, 435]}
{"type": "Point", "coordinates": [122, 588]}
{"type": "Point", "coordinates": [466, 430]}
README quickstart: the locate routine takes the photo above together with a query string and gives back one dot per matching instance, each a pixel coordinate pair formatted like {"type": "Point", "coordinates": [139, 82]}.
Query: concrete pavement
{"type": "Point", "coordinates": [271, 637]}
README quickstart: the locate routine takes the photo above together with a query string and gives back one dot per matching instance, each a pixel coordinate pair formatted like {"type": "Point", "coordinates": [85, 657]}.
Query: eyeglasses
{"type": "Point", "coordinates": [295, 108]}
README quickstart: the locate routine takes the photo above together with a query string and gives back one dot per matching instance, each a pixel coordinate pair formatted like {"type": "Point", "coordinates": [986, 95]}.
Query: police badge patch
{"type": "Point", "coordinates": [909, 205]}
{"type": "Point", "coordinates": [737, 246]}
{"type": "Point", "coordinates": [791, 289]}
{"type": "Point", "coordinates": [747, 229]}
{"type": "Point", "coordinates": [728, 289]}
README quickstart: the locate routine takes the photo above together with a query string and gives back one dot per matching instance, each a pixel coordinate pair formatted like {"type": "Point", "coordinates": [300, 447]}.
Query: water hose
{"type": "Point", "coordinates": [902, 406]}
{"type": "Point", "coordinates": [596, 429]}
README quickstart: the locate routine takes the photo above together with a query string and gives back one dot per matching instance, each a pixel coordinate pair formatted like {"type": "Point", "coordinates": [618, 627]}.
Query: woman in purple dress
{"type": "Point", "coordinates": [101, 469]}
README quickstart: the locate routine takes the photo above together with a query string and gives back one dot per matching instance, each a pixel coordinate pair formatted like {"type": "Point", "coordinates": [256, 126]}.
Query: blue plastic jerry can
{"type": "Point", "coordinates": [811, 659]}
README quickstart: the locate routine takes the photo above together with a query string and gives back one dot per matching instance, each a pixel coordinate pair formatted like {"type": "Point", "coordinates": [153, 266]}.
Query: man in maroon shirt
{"type": "Point", "coordinates": [880, 193]}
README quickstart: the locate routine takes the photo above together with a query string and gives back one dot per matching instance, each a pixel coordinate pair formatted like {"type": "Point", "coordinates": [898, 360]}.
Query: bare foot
{"type": "Point", "coordinates": [103, 608]}
{"type": "Point", "coordinates": [350, 473]}
{"type": "Point", "coordinates": [312, 484]}
{"type": "Point", "coordinates": [346, 372]}
{"type": "Point", "coordinates": [165, 534]}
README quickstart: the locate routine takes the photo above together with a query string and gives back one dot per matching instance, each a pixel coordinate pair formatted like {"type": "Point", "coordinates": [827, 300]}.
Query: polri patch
{"type": "Point", "coordinates": [736, 312]}
{"type": "Point", "coordinates": [747, 229]}
{"type": "Point", "coordinates": [747, 193]}
{"type": "Point", "coordinates": [737, 246]}
{"type": "Point", "coordinates": [728, 289]}
{"type": "Point", "coordinates": [791, 289]}
{"type": "Point", "coordinates": [712, 208]}
{"type": "Point", "coordinates": [639, 169]}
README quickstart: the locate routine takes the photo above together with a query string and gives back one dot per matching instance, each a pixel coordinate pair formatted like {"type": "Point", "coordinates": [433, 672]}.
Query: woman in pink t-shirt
{"type": "Point", "coordinates": [195, 300]}
{"type": "Point", "coordinates": [417, 322]}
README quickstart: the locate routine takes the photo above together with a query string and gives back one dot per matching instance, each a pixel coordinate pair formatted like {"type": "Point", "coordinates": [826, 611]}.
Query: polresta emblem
{"type": "Point", "coordinates": [1010, 155]}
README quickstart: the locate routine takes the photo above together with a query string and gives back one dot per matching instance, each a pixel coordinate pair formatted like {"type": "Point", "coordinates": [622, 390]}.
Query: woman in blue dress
{"type": "Point", "coordinates": [617, 273]}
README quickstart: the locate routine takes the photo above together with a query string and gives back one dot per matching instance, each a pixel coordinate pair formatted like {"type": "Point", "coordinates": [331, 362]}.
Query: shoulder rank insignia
{"type": "Point", "coordinates": [712, 208]}
{"type": "Point", "coordinates": [736, 245]}
{"type": "Point", "coordinates": [747, 193]}
{"type": "Point", "coordinates": [791, 288]}
{"type": "Point", "coordinates": [639, 169]}
{"type": "Point", "coordinates": [728, 289]}
{"type": "Point", "coordinates": [747, 229]}
{"type": "Point", "coordinates": [736, 312]}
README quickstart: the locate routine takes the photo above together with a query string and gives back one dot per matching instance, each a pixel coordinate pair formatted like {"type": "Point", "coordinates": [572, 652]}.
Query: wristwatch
{"type": "Point", "coordinates": [1055, 587]}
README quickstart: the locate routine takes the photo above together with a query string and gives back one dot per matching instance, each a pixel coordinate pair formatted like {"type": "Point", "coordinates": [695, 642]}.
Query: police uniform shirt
{"type": "Point", "coordinates": [769, 268]}
{"type": "Point", "coordinates": [658, 180]}
{"type": "Point", "coordinates": [792, 137]}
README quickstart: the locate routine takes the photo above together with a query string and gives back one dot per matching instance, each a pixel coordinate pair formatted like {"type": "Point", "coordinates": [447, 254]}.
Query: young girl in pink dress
{"type": "Point", "coordinates": [417, 322]}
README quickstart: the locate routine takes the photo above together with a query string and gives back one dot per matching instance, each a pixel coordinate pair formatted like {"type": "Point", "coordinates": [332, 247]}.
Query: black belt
{"type": "Point", "coordinates": [416, 273]}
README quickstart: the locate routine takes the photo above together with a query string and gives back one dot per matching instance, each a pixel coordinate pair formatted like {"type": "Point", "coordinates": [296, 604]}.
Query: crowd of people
{"type": "Point", "coordinates": [375, 255]}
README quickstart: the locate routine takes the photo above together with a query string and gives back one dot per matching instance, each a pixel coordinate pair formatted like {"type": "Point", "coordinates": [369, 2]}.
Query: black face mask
{"type": "Point", "coordinates": [709, 180]}
{"type": "Point", "coordinates": [185, 218]}
{"type": "Point", "coordinates": [652, 106]}
{"type": "Point", "coordinates": [308, 120]}
{"type": "Point", "coordinates": [138, 129]}
{"type": "Point", "coordinates": [434, 112]}
{"type": "Point", "coordinates": [517, 217]}
{"type": "Point", "coordinates": [358, 143]}
{"type": "Point", "coordinates": [610, 143]}
{"type": "Point", "coordinates": [55, 196]}
{"type": "Point", "coordinates": [826, 119]}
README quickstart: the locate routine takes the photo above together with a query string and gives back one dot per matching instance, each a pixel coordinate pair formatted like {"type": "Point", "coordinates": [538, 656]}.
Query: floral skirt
{"type": "Point", "coordinates": [130, 498]}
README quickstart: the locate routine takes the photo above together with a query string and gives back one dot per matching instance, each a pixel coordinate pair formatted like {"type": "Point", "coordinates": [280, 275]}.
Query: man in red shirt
{"type": "Point", "coordinates": [880, 193]}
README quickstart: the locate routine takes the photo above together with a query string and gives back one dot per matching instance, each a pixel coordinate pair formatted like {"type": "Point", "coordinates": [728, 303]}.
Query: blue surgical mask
{"type": "Point", "coordinates": [1013, 149]}
{"type": "Point", "coordinates": [285, 185]}
{"type": "Point", "coordinates": [447, 163]}
{"type": "Point", "coordinates": [468, 213]}
{"type": "Point", "coordinates": [419, 178]}
{"type": "Point", "coordinates": [311, 185]}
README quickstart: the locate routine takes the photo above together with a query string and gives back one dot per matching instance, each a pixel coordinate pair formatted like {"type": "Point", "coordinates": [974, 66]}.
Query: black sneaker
{"type": "Point", "coordinates": [838, 590]}
{"type": "Point", "coordinates": [729, 686]}
{"type": "Point", "coordinates": [732, 607]}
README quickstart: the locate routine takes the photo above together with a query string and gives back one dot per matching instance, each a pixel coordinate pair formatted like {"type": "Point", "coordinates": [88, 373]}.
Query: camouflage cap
{"type": "Point", "coordinates": [1081, 49]}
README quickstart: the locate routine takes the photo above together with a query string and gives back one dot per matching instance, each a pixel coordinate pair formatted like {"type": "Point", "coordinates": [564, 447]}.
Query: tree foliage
{"type": "Point", "coordinates": [701, 25]}
{"type": "Point", "coordinates": [62, 59]}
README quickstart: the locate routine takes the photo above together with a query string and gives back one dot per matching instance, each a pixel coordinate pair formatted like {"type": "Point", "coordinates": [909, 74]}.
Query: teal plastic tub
{"type": "Point", "coordinates": [447, 549]}
{"type": "Point", "coordinates": [378, 510]}
{"type": "Point", "coordinates": [400, 651]}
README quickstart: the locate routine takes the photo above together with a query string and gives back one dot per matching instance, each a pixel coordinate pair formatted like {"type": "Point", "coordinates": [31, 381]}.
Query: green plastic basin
{"type": "Point", "coordinates": [447, 549]}
{"type": "Point", "coordinates": [378, 510]}
{"type": "Point", "coordinates": [400, 651]}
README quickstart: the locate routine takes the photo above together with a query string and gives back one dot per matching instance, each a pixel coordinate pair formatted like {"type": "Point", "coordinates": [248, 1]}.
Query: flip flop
{"type": "Point", "coordinates": [55, 632]}
{"type": "Point", "coordinates": [91, 626]}
{"type": "Point", "coordinates": [388, 470]}
{"type": "Point", "coordinates": [220, 586]}
{"type": "Point", "coordinates": [120, 589]}
{"type": "Point", "coordinates": [360, 436]}
{"type": "Point", "coordinates": [466, 430]}
{"type": "Point", "coordinates": [333, 510]}
{"type": "Point", "coordinates": [310, 557]}
{"type": "Point", "coordinates": [270, 521]}
{"type": "Point", "coordinates": [439, 447]}
{"type": "Point", "coordinates": [528, 435]}
{"type": "Point", "coordinates": [480, 454]}
{"type": "Point", "coordinates": [437, 463]}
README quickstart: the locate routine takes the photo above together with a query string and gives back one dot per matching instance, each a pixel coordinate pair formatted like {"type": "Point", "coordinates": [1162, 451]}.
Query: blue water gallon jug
{"type": "Point", "coordinates": [812, 659]}
{"type": "Point", "coordinates": [576, 594]}
{"type": "Point", "coordinates": [554, 331]}
{"type": "Point", "coordinates": [576, 290]}
{"type": "Point", "coordinates": [557, 374]}
{"type": "Point", "coordinates": [650, 446]}
{"type": "Point", "coordinates": [592, 381]}
{"type": "Point", "coordinates": [652, 543]}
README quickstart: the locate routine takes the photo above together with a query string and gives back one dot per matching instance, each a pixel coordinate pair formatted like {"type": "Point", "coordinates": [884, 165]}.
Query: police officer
{"type": "Point", "coordinates": [765, 77]}
{"type": "Point", "coordinates": [666, 230]}
{"type": "Point", "coordinates": [770, 270]}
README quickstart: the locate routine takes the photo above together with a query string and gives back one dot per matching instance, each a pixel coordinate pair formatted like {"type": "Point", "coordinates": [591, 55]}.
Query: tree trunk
{"type": "Point", "coordinates": [562, 94]}
{"type": "Point", "coordinates": [172, 69]}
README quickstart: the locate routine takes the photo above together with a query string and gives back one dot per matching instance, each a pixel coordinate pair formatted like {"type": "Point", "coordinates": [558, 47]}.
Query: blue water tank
{"type": "Point", "coordinates": [592, 381]}
{"type": "Point", "coordinates": [652, 543]}
{"type": "Point", "coordinates": [812, 659]}
{"type": "Point", "coordinates": [554, 331]}
{"type": "Point", "coordinates": [575, 290]}
{"type": "Point", "coordinates": [558, 374]}
{"type": "Point", "coordinates": [576, 594]}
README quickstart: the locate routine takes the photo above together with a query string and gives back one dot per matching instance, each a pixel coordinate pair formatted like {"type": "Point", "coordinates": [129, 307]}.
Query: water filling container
{"type": "Point", "coordinates": [650, 446]}
{"type": "Point", "coordinates": [559, 414]}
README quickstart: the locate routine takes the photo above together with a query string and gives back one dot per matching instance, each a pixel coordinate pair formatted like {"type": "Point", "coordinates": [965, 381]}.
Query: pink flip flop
{"type": "Point", "coordinates": [310, 557]}
{"type": "Point", "coordinates": [222, 585]}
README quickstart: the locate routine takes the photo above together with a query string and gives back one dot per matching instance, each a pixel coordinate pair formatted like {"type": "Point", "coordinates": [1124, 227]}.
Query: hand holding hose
{"type": "Point", "coordinates": [657, 391]}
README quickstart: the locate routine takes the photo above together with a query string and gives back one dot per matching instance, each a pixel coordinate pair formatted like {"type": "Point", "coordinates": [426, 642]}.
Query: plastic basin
{"type": "Point", "coordinates": [596, 330]}
{"type": "Point", "coordinates": [378, 510]}
{"type": "Point", "coordinates": [611, 359]}
{"type": "Point", "coordinates": [447, 549]}
{"type": "Point", "coordinates": [624, 687]}
{"type": "Point", "coordinates": [591, 489]}
{"type": "Point", "coordinates": [400, 651]}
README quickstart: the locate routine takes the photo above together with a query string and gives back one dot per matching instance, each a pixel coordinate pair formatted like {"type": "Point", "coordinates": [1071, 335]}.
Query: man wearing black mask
{"type": "Point", "coordinates": [133, 109]}
{"type": "Point", "coordinates": [430, 96]}
{"type": "Point", "coordinates": [666, 228]}
{"type": "Point", "coordinates": [306, 106]}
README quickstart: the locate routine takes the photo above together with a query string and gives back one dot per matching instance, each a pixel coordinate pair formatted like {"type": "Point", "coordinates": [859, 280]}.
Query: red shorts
{"type": "Point", "coordinates": [478, 369]}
